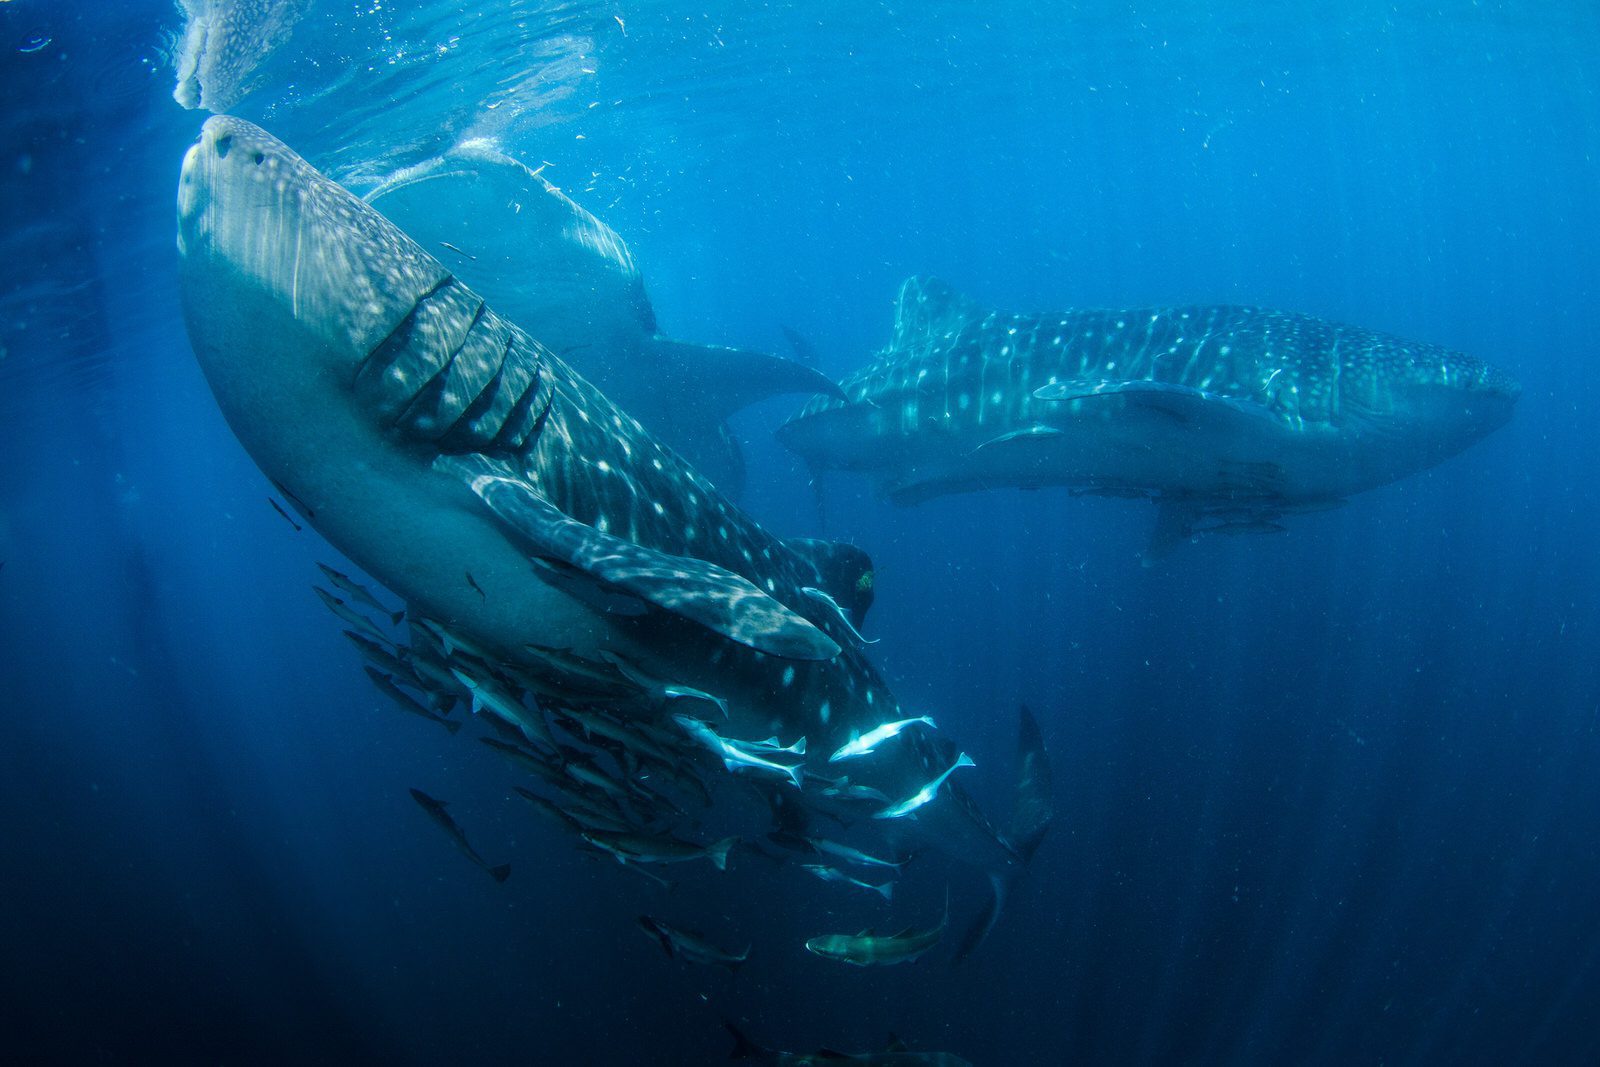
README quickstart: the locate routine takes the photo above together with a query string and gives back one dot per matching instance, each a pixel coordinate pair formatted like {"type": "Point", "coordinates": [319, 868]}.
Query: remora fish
{"type": "Point", "coordinates": [359, 593]}
{"type": "Point", "coordinates": [540, 258]}
{"type": "Point", "coordinates": [737, 756]}
{"type": "Point", "coordinates": [868, 949]}
{"type": "Point", "coordinates": [404, 702]}
{"type": "Point", "coordinates": [853, 855]}
{"type": "Point", "coordinates": [1259, 413]}
{"type": "Point", "coordinates": [429, 436]}
{"type": "Point", "coordinates": [487, 694]}
{"type": "Point", "coordinates": [925, 794]}
{"type": "Point", "coordinates": [865, 743]}
{"type": "Point", "coordinates": [574, 817]}
{"type": "Point", "coordinates": [385, 661]}
{"type": "Point", "coordinates": [689, 945]}
{"type": "Point", "coordinates": [896, 1055]}
{"type": "Point", "coordinates": [829, 874]}
{"type": "Point", "coordinates": [350, 615]}
{"type": "Point", "coordinates": [646, 848]}
{"type": "Point", "coordinates": [436, 812]}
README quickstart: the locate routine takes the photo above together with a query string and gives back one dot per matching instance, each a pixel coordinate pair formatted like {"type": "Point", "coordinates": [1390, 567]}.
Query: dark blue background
{"type": "Point", "coordinates": [1326, 797]}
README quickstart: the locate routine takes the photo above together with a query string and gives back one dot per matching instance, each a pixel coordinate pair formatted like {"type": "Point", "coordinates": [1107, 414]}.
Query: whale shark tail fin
{"type": "Point", "coordinates": [713, 382]}
{"type": "Point", "coordinates": [1033, 810]}
{"type": "Point", "coordinates": [693, 389]}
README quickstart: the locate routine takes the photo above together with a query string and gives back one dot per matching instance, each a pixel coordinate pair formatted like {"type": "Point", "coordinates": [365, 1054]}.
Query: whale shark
{"type": "Point", "coordinates": [537, 256]}
{"type": "Point", "coordinates": [1228, 417]}
{"type": "Point", "coordinates": [558, 564]}
{"type": "Point", "coordinates": [222, 44]}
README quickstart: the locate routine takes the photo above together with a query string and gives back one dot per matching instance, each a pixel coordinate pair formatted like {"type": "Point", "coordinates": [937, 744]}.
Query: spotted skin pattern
{"type": "Point", "coordinates": [958, 382]}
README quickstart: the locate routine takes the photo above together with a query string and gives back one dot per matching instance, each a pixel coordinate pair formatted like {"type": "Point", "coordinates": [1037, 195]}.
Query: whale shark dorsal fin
{"type": "Point", "coordinates": [701, 592]}
{"type": "Point", "coordinates": [928, 305]}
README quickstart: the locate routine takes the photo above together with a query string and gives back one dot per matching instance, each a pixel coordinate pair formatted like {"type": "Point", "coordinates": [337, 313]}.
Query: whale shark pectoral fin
{"type": "Point", "coordinates": [1180, 402]}
{"type": "Point", "coordinates": [694, 589]}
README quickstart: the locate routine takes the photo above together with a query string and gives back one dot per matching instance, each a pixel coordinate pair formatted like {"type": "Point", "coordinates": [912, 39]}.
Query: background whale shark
{"type": "Point", "coordinates": [545, 543]}
{"type": "Point", "coordinates": [1229, 417]}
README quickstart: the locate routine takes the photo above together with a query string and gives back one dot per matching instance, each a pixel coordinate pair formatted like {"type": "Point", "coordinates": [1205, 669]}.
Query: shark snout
{"type": "Point", "coordinates": [259, 227]}
{"type": "Point", "coordinates": [1493, 380]}
{"type": "Point", "coordinates": [209, 170]}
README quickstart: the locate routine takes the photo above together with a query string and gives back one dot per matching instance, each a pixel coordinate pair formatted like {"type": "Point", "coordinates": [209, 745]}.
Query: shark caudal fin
{"type": "Point", "coordinates": [1032, 811]}
{"type": "Point", "coordinates": [693, 389]}
{"type": "Point", "coordinates": [718, 381]}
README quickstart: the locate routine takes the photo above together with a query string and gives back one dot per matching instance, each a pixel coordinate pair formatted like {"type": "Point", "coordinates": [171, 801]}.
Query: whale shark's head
{"type": "Point", "coordinates": [1440, 400]}
{"type": "Point", "coordinates": [258, 227]}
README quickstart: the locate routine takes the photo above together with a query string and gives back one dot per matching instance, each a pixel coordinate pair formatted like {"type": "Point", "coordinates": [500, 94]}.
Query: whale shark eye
{"type": "Point", "coordinates": [260, 158]}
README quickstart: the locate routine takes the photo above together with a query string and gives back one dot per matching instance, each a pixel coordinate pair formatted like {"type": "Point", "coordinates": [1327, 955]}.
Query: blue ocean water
{"type": "Point", "coordinates": [1322, 797]}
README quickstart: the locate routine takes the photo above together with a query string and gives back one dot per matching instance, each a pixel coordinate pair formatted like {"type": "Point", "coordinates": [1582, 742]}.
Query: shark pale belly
{"type": "Point", "coordinates": [1230, 417]}
{"type": "Point", "coordinates": [563, 571]}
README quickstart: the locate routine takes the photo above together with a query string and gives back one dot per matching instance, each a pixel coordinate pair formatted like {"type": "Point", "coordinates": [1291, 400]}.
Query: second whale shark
{"type": "Point", "coordinates": [1228, 417]}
